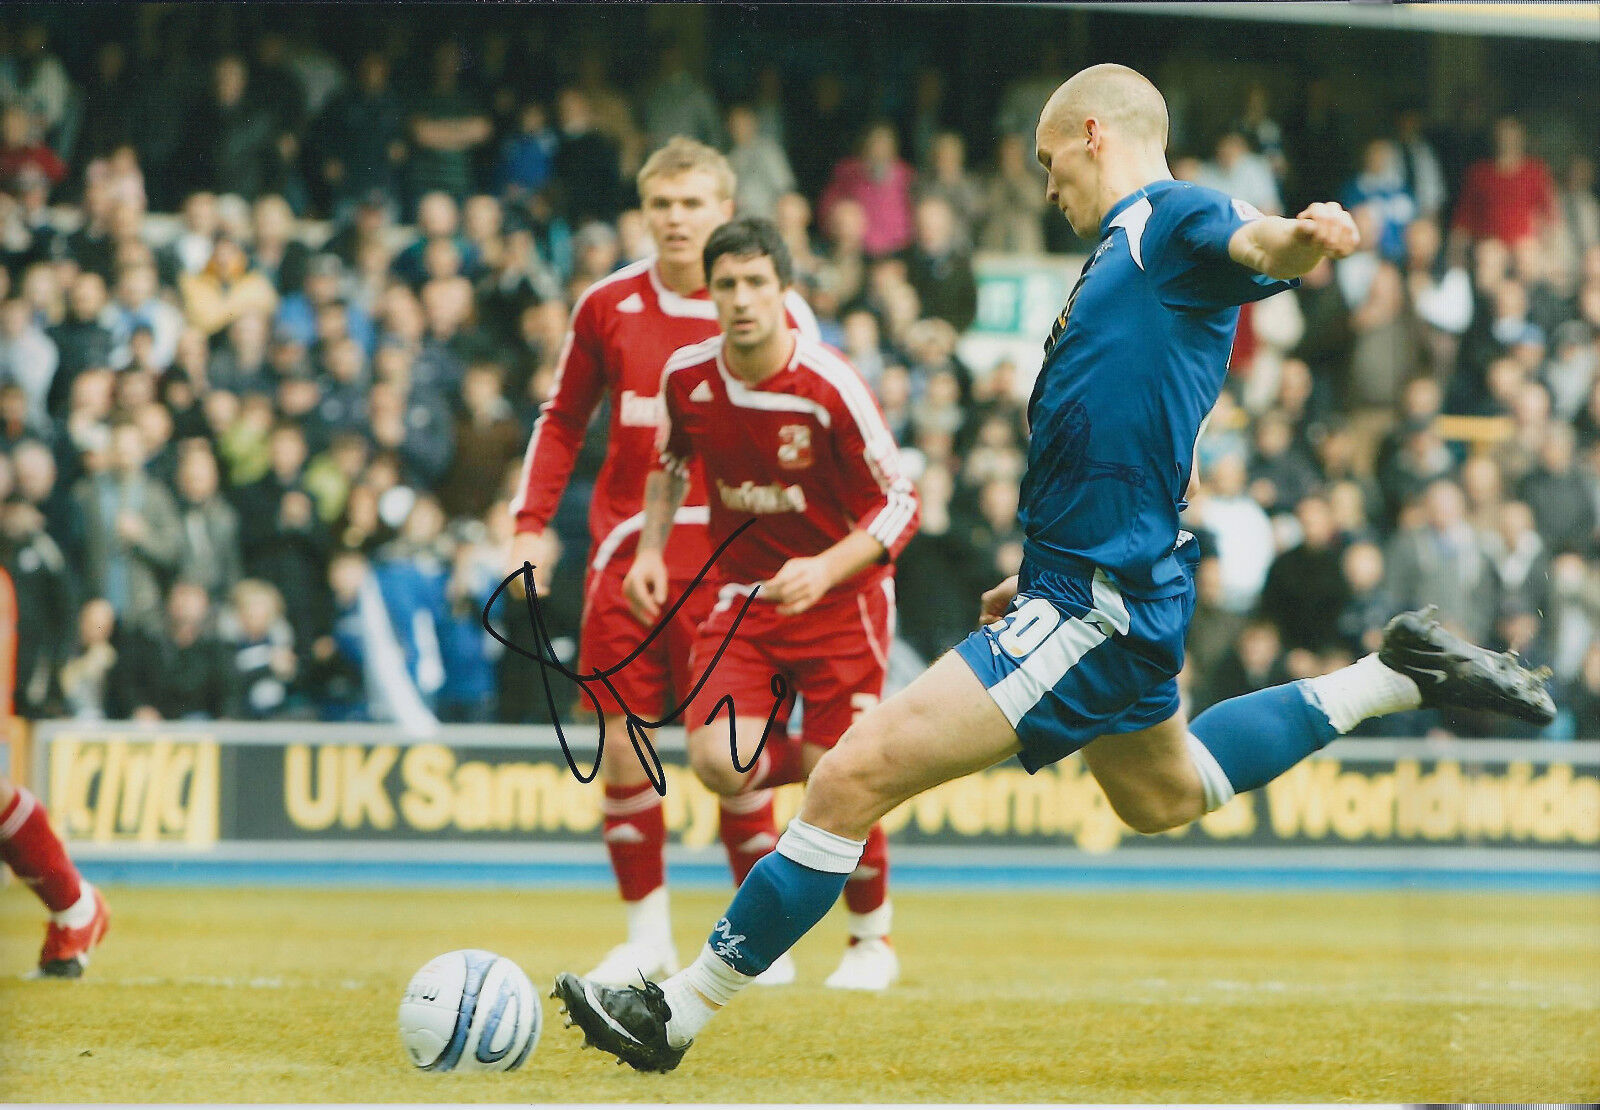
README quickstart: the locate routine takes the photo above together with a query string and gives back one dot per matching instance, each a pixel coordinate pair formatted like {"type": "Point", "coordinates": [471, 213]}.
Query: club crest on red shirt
{"type": "Point", "coordinates": [794, 446]}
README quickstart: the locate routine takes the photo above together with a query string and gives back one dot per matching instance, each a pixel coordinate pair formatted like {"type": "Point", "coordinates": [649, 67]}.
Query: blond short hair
{"type": "Point", "coordinates": [682, 154]}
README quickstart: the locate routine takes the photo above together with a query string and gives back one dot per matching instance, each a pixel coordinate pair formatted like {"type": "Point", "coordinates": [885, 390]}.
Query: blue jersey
{"type": "Point", "coordinates": [1134, 363]}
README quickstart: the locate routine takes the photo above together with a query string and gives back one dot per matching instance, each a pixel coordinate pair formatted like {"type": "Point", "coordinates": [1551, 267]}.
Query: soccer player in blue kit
{"type": "Point", "coordinates": [1082, 648]}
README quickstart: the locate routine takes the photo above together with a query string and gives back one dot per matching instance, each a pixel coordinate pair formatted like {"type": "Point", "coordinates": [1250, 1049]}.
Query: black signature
{"type": "Point", "coordinates": [642, 748]}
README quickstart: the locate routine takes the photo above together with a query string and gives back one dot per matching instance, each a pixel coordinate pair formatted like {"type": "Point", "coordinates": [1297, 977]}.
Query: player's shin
{"type": "Point", "coordinates": [783, 897]}
{"type": "Point", "coordinates": [1248, 741]}
{"type": "Point", "coordinates": [30, 847]}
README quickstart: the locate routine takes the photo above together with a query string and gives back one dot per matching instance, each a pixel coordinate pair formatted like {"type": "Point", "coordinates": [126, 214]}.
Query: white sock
{"type": "Point", "coordinates": [1366, 688]}
{"type": "Point", "coordinates": [688, 992]}
{"type": "Point", "coordinates": [872, 924]}
{"type": "Point", "coordinates": [1213, 779]}
{"type": "Point", "coordinates": [81, 912]}
{"type": "Point", "coordinates": [650, 919]}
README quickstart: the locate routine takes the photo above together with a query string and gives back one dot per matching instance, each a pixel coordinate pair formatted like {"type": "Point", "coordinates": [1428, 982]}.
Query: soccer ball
{"type": "Point", "coordinates": [469, 1010]}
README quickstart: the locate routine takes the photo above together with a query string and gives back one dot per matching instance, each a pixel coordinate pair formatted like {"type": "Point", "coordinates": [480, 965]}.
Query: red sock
{"type": "Point", "coordinates": [748, 830]}
{"type": "Point", "coordinates": [30, 848]}
{"type": "Point", "coordinates": [868, 885]}
{"type": "Point", "coordinates": [782, 761]}
{"type": "Point", "coordinates": [636, 838]}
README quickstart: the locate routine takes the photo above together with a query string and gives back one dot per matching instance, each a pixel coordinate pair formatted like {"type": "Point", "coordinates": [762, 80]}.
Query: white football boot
{"type": "Point", "coordinates": [869, 964]}
{"type": "Point", "coordinates": [780, 974]}
{"type": "Point", "coordinates": [634, 961]}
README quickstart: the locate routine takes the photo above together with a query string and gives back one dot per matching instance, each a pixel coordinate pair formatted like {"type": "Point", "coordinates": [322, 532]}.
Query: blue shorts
{"type": "Point", "coordinates": [1073, 659]}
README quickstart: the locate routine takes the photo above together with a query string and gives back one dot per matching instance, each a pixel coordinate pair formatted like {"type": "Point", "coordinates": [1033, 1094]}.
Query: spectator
{"type": "Point", "coordinates": [86, 673]}
{"type": "Point", "coordinates": [528, 157]}
{"type": "Point", "coordinates": [1305, 590]}
{"type": "Point", "coordinates": [488, 439]}
{"type": "Point", "coordinates": [1368, 604]}
{"type": "Point", "coordinates": [1509, 197]}
{"type": "Point", "coordinates": [190, 250]}
{"type": "Point", "coordinates": [82, 339]}
{"type": "Point", "coordinates": [1440, 561]}
{"type": "Point", "coordinates": [946, 177]}
{"type": "Point", "coordinates": [939, 268]}
{"type": "Point", "coordinates": [139, 306]}
{"type": "Point", "coordinates": [1520, 558]}
{"type": "Point", "coordinates": [677, 104]}
{"type": "Point", "coordinates": [226, 289]}
{"type": "Point", "coordinates": [412, 573]}
{"type": "Point", "coordinates": [830, 119]}
{"type": "Point", "coordinates": [1255, 662]}
{"type": "Point", "coordinates": [587, 168]}
{"type": "Point", "coordinates": [1243, 532]}
{"type": "Point", "coordinates": [1239, 173]}
{"type": "Point", "coordinates": [208, 552]}
{"type": "Point", "coordinates": [759, 164]}
{"type": "Point", "coordinates": [42, 582]}
{"type": "Point", "coordinates": [182, 674]}
{"type": "Point", "coordinates": [1213, 630]}
{"type": "Point", "coordinates": [1420, 173]}
{"type": "Point", "coordinates": [108, 100]}
{"type": "Point", "coordinates": [1014, 200]}
{"type": "Point", "coordinates": [358, 142]}
{"type": "Point", "coordinates": [22, 151]}
{"type": "Point", "coordinates": [1556, 492]}
{"type": "Point", "coordinates": [274, 253]}
{"type": "Point", "coordinates": [880, 182]}
{"type": "Point", "coordinates": [1263, 132]}
{"type": "Point", "coordinates": [1440, 295]}
{"type": "Point", "coordinates": [1280, 474]}
{"type": "Point", "coordinates": [263, 657]}
{"type": "Point", "coordinates": [28, 357]}
{"type": "Point", "coordinates": [130, 531]}
{"type": "Point", "coordinates": [1575, 231]}
{"type": "Point", "coordinates": [281, 538]}
{"type": "Point", "coordinates": [232, 133]}
{"type": "Point", "coordinates": [447, 125]}
{"type": "Point", "coordinates": [1381, 186]}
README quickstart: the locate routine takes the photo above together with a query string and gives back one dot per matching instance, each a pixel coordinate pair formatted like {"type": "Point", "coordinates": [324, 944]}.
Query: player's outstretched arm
{"type": "Point", "coordinates": [645, 584]}
{"type": "Point", "coordinates": [1282, 248]}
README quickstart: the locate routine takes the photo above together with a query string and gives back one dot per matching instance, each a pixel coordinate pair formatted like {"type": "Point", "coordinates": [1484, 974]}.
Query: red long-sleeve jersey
{"type": "Point", "coordinates": [806, 452]}
{"type": "Point", "coordinates": [623, 329]}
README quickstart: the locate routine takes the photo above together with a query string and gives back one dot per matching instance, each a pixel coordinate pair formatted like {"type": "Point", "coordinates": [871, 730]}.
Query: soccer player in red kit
{"type": "Point", "coordinates": [788, 434]}
{"type": "Point", "coordinates": [623, 328]}
{"type": "Point", "coordinates": [30, 847]}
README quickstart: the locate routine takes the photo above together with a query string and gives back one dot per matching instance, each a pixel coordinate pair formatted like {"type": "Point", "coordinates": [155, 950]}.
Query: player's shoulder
{"type": "Point", "coordinates": [625, 290]}
{"type": "Point", "coordinates": [701, 354]}
{"type": "Point", "coordinates": [1181, 199]}
{"type": "Point", "coordinates": [830, 371]}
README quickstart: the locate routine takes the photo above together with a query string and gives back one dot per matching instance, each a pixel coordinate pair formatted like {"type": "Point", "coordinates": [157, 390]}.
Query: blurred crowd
{"type": "Point", "coordinates": [272, 342]}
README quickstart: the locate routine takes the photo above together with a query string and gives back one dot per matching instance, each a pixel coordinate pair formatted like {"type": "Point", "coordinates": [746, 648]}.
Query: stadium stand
{"type": "Point", "coordinates": [276, 317]}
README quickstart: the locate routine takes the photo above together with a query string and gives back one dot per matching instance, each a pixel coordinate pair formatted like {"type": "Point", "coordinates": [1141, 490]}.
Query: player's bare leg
{"type": "Point", "coordinates": [78, 917]}
{"type": "Point", "coordinates": [941, 727]}
{"type": "Point", "coordinates": [635, 833]}
{"type": "Point", "coordinates": [1174, 772]}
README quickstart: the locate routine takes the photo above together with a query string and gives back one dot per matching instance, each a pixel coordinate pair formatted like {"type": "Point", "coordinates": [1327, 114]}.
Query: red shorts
{"type": "Point", "coordinates": [835, 656]}
{"type": "Point", "coordinates": [610, 632]}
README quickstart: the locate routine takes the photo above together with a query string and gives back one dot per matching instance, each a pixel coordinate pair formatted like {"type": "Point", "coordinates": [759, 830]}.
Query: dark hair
{"type": "Point", "coordinates": [748, 237]}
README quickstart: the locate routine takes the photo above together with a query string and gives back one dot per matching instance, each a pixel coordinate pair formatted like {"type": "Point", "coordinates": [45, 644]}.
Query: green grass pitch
{"type": "Point", "coordinates": [241, 995]}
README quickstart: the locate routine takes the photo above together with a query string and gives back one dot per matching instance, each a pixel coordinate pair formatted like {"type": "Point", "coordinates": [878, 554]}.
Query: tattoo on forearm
{"type": "Point", "coordinates": [664, 491]}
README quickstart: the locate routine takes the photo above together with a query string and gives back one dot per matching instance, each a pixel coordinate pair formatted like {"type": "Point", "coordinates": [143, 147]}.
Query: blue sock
{"type": "Point", "coordinates": [786, 893]}
{"type": "Point", "coordinates": [1257, 737]}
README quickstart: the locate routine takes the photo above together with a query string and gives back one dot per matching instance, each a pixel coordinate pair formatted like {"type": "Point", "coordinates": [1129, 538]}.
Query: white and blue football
{"type": "Point", "coordinates": [469, 1010]}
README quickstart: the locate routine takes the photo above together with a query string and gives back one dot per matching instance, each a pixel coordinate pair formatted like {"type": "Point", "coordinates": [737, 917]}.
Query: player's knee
{"type": "Point", "coordinates": [712, 763]}
{"type": "Point", "coordinates": [847, 788]}
{"type": "Point", "coordinates": [1150, 813]}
